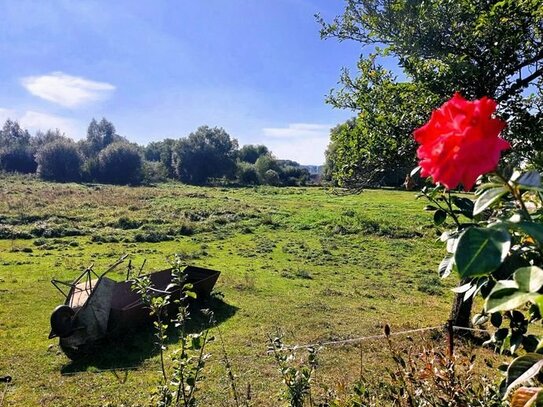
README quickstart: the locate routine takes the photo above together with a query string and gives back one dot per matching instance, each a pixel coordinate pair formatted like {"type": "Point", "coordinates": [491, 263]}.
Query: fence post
{"type": "Point", "coordinates": [450, 332]}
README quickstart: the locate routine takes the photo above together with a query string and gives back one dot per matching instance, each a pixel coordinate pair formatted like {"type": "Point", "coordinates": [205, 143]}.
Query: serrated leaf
{"type": "Point", "coordinates": [487, 198]}
{"type": "Point", "coordinates": [480, 251]}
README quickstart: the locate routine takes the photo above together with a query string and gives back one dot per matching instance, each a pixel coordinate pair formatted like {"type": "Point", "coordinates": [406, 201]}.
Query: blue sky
{"type": "Point", "coordinates": [161, 68]}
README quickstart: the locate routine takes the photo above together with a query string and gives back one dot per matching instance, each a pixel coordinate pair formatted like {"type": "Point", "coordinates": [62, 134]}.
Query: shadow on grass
{"type": "Point", "coordinates": [130, 349]}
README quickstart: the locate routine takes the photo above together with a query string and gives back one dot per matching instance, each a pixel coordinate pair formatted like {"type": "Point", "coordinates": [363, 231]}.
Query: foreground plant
{"type": "Point", "coordinates": [297, 377]}
{"type": "Point", "coordinates": [495, 243]}
{"type": "Point", "coordinates": [188, 360]}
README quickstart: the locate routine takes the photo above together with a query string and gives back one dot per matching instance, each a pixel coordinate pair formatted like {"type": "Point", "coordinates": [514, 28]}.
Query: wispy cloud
{"type": "Point", "coordinates": [34, 121]}
{"type": "Point", "coordinates": [67, 90]}
{"type": "Point", "coordinates": [298, 130]}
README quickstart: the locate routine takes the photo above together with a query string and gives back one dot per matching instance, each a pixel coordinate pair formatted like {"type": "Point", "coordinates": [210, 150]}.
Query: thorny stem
{"type": "Point", "coordinates": [161, 345]}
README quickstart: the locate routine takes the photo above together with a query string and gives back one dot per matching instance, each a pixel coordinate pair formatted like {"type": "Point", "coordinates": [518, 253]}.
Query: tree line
{"type": "Point", "coordinates": [207, 155]}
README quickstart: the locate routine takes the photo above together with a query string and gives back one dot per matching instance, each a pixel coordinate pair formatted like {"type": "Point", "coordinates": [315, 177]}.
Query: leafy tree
{"type": "Point", "coordinates": [161, 151]}
{"type": "Point", "coordinates": [15, 152]}
{"type": "Point", "coordinates": [59, 160]}
{"type": "Point", "coordinates": [251, 152]}
{"type": "Point", "coordinates": [120, 163]}
{"type": "Point", "coordinates": [271, 177]}
{"type": "Point", "coordinates": [265, 163]}
{"type": "Point", "coordinates": [41, 138]}
{"type": "Point", "coordinates": [154, 172]}
{"type": "Point", "coordinates": [246, 173]}
{"type": "Point", "coordinates": [207, 153]}
{"type": "Point", "coordinates": [13, 135]}
{"type": "Point", "coordinates": [291, 173]}
{"type": "Point", "coordinates": [377, 147]}
{"type": "Point", "coordinates": [99, 136]}
{"type": "Point", "coordinates": [476, 47]}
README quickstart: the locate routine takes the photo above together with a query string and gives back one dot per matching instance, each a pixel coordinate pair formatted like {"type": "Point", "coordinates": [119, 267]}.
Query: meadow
{"type": "Point", "coordinates": [312, 264]}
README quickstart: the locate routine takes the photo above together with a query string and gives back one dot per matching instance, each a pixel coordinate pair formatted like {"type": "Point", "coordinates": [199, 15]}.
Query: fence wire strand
{"type": "Point", "coordinates": [313, 345]}
{"type": "Point", "coordinates": [382, 336]}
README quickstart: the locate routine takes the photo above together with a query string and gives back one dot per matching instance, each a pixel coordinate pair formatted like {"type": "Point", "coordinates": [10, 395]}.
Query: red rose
{"type": "Point", "coordinates": [460, 142]}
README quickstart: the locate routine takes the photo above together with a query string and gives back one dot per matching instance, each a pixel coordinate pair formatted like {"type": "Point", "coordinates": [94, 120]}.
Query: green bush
{"type": "Point", "coordinates": [59, 161]}
{"type": "Point", "coordinates": [120, 163]}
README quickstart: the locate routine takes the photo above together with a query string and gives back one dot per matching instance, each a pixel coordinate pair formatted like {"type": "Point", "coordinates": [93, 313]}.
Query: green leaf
{"type": "Point", "coordinates": [507, 300]}
{"type": "Point", "coordinates": [439, 217]}
{"type": "Point", "coordinates": [529, 279]}
{"type": "Point", "coordinates": [487, 198]}
{"type": "Point", "coordinates": [533, 229]}
{"type": "Point", "coordinates": [523, 369]}
{"type": "Point", "coordinates": [480, 251]}
{"type": "Point", "coordinates": [466, 205]}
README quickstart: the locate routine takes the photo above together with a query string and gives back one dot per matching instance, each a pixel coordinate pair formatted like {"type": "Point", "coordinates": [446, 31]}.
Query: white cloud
{"type": "Point", "coordinates": [67, 90]}
{"type": "Point", "coordinates": [34, 121]}
{"type": "Point", "coordinates": [298, 130]}
{"type": "Point", "coordinates": [308, 151]}
{"type": "Point", "coordinates": [301, 142]}
{"type": "Point", "coordinates": [42, 121]}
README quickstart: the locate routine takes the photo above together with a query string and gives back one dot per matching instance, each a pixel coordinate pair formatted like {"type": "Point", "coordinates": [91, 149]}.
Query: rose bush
{"type": "Point", "coordinates": [495, 242]}
{"type": "Point", "coordinates": [460, 142]}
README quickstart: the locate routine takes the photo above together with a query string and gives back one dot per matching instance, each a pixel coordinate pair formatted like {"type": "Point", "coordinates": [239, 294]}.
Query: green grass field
{"type": "Point", "coordinates": [304, 261]}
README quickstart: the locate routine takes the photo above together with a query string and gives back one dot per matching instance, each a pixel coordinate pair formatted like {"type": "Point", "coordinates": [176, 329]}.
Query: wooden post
{"type": "Point", "coordinates": [450, 332]}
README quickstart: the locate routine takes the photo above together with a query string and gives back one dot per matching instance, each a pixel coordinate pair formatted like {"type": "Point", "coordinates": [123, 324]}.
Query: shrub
{"type": "Point", "coordinates": [17, 159]}
{"type": "Point", "coordinates": [59, 161]}
{"type": "Point", "coordinates": [205, 154]}
{"type": "Point", "coordinates": [271, 177]}
{"type": "Point", "coordinates": [120, 163]}
{"type": "Point", "coordinates": [154, 172]}
{"type": "Point", "coordinates": [246, 173]}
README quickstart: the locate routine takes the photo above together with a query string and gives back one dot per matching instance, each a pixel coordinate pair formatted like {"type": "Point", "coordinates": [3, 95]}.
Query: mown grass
{"type": "Point", "coordinates": [303, 261]}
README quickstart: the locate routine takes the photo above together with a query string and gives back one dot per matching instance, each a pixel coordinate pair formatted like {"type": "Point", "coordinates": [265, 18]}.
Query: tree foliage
{"type": "Point", "coordinates": [120, 163]}
{"type": "Point", "coordinates": [59, 160]}
{"type": "Point", "coordinates": [16, 154]}
{"type": "Point", "coordinates": [251, 152]}
{"type": "Point", "coordinates": [162, 151]}
{"type": "Point", "coordinates": [99, 136]}
{"type": "Point", "coordinates": [207, 153]}
{"type": "Point", "coordinates": [477, 47]}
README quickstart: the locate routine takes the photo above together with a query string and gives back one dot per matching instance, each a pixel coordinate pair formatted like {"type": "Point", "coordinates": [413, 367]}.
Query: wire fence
{"type": "Point", "coordinates": [323, 344]}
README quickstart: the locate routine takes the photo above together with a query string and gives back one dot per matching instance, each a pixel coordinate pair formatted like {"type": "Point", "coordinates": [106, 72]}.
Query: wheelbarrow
{"type": "Point", "coordinates": [96, 306]}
